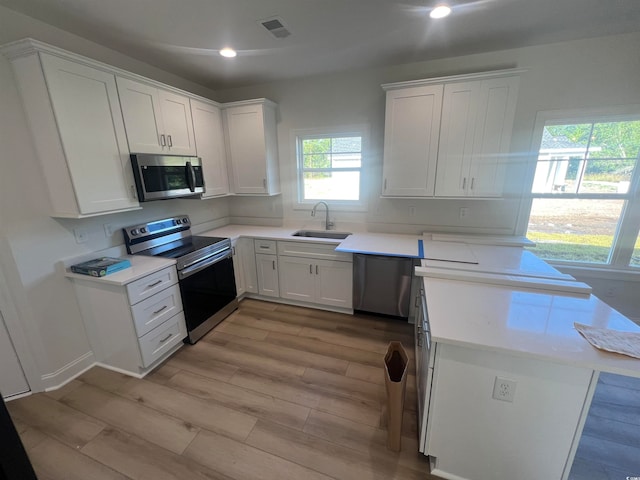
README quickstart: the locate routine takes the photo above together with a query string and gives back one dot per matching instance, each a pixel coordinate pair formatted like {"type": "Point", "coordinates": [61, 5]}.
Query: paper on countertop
{"type": "Point", "coordinates": [627, 343]}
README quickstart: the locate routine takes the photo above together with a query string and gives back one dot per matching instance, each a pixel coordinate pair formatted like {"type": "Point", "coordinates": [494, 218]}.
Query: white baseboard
{"type": "Point", "coordinates": [62, 376]}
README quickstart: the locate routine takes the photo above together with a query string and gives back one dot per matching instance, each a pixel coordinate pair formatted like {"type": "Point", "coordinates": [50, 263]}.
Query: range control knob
{"type": "Point", "coordinates": [135, 231]}
{"type": "Point", "coordinates": [178, 222]}
{"type": "Point", "coordinates": [185, 220]}
{"type": "Point", "coordinates": [143, 230]}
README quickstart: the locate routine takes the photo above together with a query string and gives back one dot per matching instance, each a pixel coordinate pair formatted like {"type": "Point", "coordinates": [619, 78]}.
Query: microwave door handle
{"type": "Point", "coordinates": [191, 177]}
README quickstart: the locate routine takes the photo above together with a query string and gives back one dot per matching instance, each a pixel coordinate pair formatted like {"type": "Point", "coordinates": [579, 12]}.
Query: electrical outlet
{"type": "Point", "coordinates": [81, 234]}
{"type": "Point", "coordinates": [504, 389]}
{"type": "Point", "coordinates": [464, 212]}
{"type": "Point", "coordinates": [412, 210]}
{"type": "Point", "coordinates": [108, 230]}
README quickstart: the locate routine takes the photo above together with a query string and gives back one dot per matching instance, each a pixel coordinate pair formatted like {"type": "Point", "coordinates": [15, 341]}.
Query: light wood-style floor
{"type": "Point", "coordinates": [274, 392]}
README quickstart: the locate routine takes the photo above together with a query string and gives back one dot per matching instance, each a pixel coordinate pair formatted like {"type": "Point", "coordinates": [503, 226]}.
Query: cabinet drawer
{"type": "Point", "coordinates": [153, 311]}
{"type": "Point", "coordinates": [151, 284]}
{"type": "Point", "coordinates": [155, 344]}
{"type": "Point", "coordinates": [265, 246]}
{"type": "Point", "coordinates": [313, 250]}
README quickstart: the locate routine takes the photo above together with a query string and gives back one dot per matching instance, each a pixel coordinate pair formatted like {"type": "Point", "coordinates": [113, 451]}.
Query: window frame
{"type": "Point", "coordinates": [299, 135]}
{"type": "Point", "coordinates": [628, 226]}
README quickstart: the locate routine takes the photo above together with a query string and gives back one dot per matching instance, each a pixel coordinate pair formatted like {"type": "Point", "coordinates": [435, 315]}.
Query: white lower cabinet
{"type": "Point", "coordinates": [315, 273]}
{"type": "Point", "coordinates": [462, 424]}
{"type": "Point", "coordinates": [133, 327]}
{"type": "Point", "coordinates": [244, 266]}
{"type": "Point", "coordinates": [267, 270]}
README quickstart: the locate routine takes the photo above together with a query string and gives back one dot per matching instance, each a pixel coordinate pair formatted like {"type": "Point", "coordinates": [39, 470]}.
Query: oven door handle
{"type": "Point", "coordinates": [203, 263]}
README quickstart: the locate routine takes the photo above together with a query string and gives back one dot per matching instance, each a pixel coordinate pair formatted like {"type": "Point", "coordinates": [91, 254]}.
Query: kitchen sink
{"type": "Point", "coordinates": [322, 234]}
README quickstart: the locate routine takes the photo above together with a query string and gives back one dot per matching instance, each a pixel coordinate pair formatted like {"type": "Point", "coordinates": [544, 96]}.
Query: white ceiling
{"type": "Point", "coordinates": [183, 36]}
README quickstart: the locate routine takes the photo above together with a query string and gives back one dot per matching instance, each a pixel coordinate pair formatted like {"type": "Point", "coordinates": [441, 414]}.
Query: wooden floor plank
{"type": "Point", "coordinates": [242, 330]}
{"type": "Point", "coordinates": [244, 462]}
{"type": "Point", "coordinates": [329, 458]}
{"type": "Point", "coordinates": [203, 361]}
{"type": "Point", "coordinates": [241, 399]}
{"type": "Point", "coordinates": [190, 409]}
{"type": "Point", "coordinates": [165, 431]}
{"type": "Point", "coordinates": [289, 355]}
{"type": "Point", "coordinates": [262, 323]}
{"type": "Point", "coordinates": [336, 338]}
{"type": "Point", "coordinates": [366, 439]}
{"type": "Point", "coordinates": [65, 424]}
{"type": "Point", "coordinates": [249, 361]}
{"type": "Point", "coordinates": [325, 348]}
{"type": "Point", "coordinates": [54, 460]}
{"type": "Point", "coordinates": [339, 384]}
{"type": "Point", "coordinates": [139, 459]}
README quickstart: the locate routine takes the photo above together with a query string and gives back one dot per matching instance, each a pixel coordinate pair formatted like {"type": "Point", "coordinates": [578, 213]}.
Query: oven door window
{"type": "Point", "coordinates": [166, 178]}
{"type": "Point", "coordinates": [206, 292]}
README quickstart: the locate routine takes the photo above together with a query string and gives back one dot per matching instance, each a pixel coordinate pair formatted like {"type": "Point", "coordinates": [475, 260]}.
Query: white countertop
{"type": "Point", "coordinates": [526, 323]}
{"type": "Point", "coordinates": [141, 266]}
{"type": "Point", "coordinates": [371, 243]}
{"type": "Point", "coordinates": [496, 259]}
{"type": "Point", "coordinates": [381, 244]}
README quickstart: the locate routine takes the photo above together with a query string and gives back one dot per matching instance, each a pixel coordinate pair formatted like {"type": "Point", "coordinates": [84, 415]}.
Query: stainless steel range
{"type": "Point", "coordinates": [205, 269]}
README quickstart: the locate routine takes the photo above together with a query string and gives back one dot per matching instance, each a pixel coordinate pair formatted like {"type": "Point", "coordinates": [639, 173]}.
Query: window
{"type": "Point", "coordinates": [330, 167]}
{"type": "Point", "coordinates": [583, 198]}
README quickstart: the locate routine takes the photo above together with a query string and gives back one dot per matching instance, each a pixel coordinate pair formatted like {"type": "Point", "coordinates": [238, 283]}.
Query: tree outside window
{"type": "Point", "coordinates": [583, 186]}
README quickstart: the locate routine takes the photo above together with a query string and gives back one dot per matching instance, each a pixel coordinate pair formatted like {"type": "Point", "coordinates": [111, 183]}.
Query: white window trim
{"type": "Point", "coordinates": [629, 222]}
{"type": "Point", "coordinates": [361, 130]}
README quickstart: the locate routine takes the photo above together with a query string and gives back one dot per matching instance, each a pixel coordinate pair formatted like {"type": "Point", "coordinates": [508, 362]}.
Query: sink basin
{"type": "Point", "coordinates": [322, 234]}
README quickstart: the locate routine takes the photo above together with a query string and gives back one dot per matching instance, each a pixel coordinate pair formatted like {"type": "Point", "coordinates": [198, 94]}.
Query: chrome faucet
{"type": "Point", "coordinates": [328, 225]}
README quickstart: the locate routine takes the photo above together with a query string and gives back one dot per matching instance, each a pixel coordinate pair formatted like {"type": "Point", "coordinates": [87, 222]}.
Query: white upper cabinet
{"type": "Point", "coordinates": [156, 120]}
{"type": "Point", "coordinates": [250, 132]}
{"type": "Point", "coordinates": [477, 120]}
{"type": "Point", "coordinates": [412, 126]}
{"type": "Point", "coordinates": [207, 127]}
{"type": "Point", "coordinates": [75, 118]}
{"type": "Point", "coordinates": [450, 136]}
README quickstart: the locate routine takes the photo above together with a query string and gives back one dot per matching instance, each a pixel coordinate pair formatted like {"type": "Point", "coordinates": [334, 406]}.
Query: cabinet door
{"type": "Point", "coordinates": [496, 111]}
{"type": "Point", "coordinates": [457, 128]}
{"type": "Point", "coordinates": [141, 110]}
{"type": "Point", "coordinates": [207, 127]}
{"type": "Point", "coordinates": [247, 148]}
{"type": "Point", "coordinates": [412, 126]}
{"type": "Point", "coordinates": [334, 283]}
{"type": "Point", "coordinates": [245, 248]}
{"type": "Point", "coordinates": [297, 278]}
{"type": "Point", "coordinates": [238, 267]}
{"type": "Point", "coordinates": [267, 270]}
{"type": "Point", "coordinates": [177, 123]}
{"type": "Point", "coordinates": [87, 113]}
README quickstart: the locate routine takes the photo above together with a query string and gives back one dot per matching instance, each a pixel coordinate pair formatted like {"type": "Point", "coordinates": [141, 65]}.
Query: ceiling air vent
{"type": "Point", "coordinates": [275, 27]}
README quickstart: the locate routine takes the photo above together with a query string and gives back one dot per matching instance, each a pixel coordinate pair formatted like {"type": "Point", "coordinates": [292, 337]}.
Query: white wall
{"type": "Point", "coordinates": [586, 73]}
{"type": "Point", "coordinates": [43, 317]}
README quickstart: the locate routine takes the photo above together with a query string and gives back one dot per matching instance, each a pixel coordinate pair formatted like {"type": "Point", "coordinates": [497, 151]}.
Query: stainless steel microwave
{"type": "Point", "coordinates": [161, 177]}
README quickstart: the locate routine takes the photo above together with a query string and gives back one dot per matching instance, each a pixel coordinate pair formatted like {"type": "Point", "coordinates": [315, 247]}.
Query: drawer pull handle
{"type": "Point", "coordinates": [158, 311]}
{"type": "Point", "coordinates": [264, 247]}
{"type": "Point", "coordinates": [154, 284]}
{"type": "Point", "coordinates": [311, 269]}
{"type": "Point", "coordinates": [166, 338]}
{"type": "Point", "coordinates": [316, 269]}
{"type": "Point", "coordinates": [169, 141]}
{"type": "Point", "coordinates": [273, 264]}
{"type": "Point", "coordinates": [163, 142]}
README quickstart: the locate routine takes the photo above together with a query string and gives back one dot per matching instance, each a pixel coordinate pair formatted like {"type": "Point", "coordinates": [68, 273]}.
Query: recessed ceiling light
{"type": "Point", "coordinates": [228, 52]}
{"type": "Point", "coordinates": [440, 11]}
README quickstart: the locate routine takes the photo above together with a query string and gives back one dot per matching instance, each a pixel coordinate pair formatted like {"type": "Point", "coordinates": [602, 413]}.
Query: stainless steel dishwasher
{"type": "Point", "coordinates": [382, 284]}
